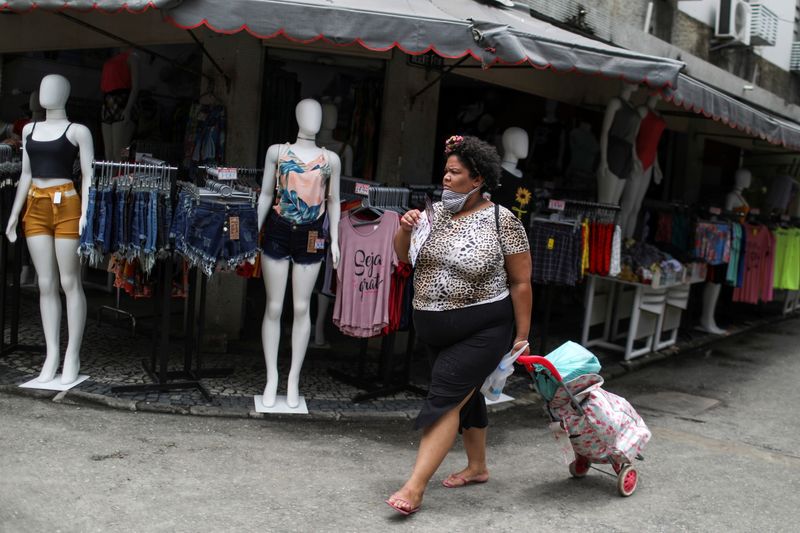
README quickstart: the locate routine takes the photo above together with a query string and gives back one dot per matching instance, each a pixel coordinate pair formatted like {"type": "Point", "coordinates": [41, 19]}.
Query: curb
{"type": "Point", "coordinates": [524, 397]}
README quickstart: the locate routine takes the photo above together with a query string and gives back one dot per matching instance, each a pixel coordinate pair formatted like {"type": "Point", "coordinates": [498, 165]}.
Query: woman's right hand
{"type": "Point", "coordinates": [409, 220]}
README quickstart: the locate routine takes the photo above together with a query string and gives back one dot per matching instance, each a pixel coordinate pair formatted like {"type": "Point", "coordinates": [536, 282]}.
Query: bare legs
{"type": "Point", "coordinates": [276, 273]}
{"type": "Point", "coordinates": [56, 260]}
{"type": "Point", "coordinates": [436, 442]}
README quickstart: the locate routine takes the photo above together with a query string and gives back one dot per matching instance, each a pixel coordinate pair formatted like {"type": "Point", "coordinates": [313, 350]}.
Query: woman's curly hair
{"type": "Point", "coordinates": [480, 158]}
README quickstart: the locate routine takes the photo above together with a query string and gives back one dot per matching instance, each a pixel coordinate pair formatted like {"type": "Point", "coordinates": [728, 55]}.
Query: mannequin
{"type": "Point", "coordinates": [645, 165]}
{"type": "Point", "coordinates": [276, 271]}
{"type": "Point", "coordinates": [515, 147]}
{"type": "Point", "coordinates": [733, 201]}
{"type": "Point", "coordinates": [516, 188]}
{"type": "Point", "coordinates": [781, 193]}
{"type": "Point", "coordinates": [54, 257]}
{"type": "Point", "coordinates": [617, 146]}
{"type": "Point", "coordinates": [583, 148]}
{"type": "Point", "coordinates": [330, 118]}
{"type": "Point", "coordinates": [547, 145]}
{"type": "Point", "coordinates": [120, 86]}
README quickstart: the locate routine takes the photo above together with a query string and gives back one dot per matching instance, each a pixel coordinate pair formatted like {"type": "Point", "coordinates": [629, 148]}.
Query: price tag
{"type": "Point", "coordinates": [233, 222]}
{"type": "Point", "coordinates": [320, 244]}
{"type": "Point", "coordinates": [311, 244]}
{"type": "Point", "coordinates": [715, 210]}
{"type": "Point", "coordinates": [57, 198]}
{"type": "Point", "coordinates": [786, 218]}
{"type": "Point", "coordinates": [562, 439]}
{"type": "Point", "coordinates": [556, 205]}
{"type": "Point", "coordinates": [755, 211]}
{"type": "Point", "coordinates": [551, 243]}
{"type": "Point", "coordinates": [227, 174]}
{"type": "Point", "coordinates": [362, 189]}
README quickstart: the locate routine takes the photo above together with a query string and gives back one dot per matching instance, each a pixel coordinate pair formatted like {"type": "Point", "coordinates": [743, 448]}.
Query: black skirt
{"type": "Point", "coordinates": [464, 345]}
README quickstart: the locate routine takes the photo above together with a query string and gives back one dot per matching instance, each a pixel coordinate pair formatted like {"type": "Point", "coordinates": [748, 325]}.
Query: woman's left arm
{"type": "Point", "coordinates": [518, 268]}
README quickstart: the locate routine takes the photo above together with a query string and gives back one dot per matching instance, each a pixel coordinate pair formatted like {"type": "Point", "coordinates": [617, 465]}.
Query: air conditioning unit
{"type": "Point", "coordinates": [733, 21]}
{"type": "Point", "coordinates": [794, 62]}
{"type": "Point", "coordinates": [763, 26]}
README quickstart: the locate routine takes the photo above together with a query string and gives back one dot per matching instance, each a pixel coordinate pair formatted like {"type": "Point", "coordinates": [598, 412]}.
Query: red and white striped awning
{"type": "Point", "coordinates": [110, 6]}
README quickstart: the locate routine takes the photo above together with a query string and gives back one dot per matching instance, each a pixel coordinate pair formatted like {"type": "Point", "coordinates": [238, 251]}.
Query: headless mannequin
{"type": "Point", "coordinates": [639, 181]}
{"type": "Point", "coordinates": [610, 186]}
{"type": "Point", "coordinates": [276, 272]}
{"type": "Point", "coordinates": [330, 118]}
{"type": "Point", "coordinates": [118, 135]}
{"type": "Point", "coordinates": [55, 258]}
{"type": "Point", "coordinates": [515, 147]}
{"type": "Point", "coordinates": [733, 200]}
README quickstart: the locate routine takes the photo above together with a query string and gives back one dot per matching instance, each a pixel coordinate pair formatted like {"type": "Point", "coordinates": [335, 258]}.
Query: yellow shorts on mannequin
{"type": "Point", "coordinates": [54, 211]}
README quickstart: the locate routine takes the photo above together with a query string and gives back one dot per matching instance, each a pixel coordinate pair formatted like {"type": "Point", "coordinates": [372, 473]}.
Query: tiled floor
{"type": "Point", "coordinates": [112, 356]}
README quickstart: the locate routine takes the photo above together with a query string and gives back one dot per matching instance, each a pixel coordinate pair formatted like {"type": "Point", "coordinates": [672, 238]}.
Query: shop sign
{"type": "Point", "coordinates": [427, 60]}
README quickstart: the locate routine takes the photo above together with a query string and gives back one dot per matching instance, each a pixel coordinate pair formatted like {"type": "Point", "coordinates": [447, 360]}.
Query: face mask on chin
{"type": "Point", "coordinates": [454, 201]}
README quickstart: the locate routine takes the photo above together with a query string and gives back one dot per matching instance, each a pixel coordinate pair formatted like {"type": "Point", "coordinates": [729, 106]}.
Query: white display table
{"type": "Point", "coordinates": [650, 312]}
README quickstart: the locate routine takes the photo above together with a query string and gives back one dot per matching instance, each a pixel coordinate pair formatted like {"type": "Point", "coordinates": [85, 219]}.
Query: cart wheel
{"type": "Point", "coordinates": [627, 480]}
{"type": "Point", "coordinates": [579, 467]}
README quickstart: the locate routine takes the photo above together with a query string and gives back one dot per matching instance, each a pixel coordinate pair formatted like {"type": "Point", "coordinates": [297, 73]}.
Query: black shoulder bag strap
{"type": "Point", "coordinates": [497, 225]}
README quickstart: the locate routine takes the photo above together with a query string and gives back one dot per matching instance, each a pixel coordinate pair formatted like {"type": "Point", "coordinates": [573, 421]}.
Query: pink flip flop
{"type": "Point", "coordinates": [464, 481]}
{"type": "Point", "coordinates": [400, 509]}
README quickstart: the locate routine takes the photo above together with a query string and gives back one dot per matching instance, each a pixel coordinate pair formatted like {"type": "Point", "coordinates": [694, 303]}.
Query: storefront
{"type": "Point", "coordinates": [392, 83]}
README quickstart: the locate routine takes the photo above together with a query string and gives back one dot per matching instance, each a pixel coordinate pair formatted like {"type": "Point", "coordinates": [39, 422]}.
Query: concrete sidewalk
{"type": "Point", "coordinates": [723, 458]}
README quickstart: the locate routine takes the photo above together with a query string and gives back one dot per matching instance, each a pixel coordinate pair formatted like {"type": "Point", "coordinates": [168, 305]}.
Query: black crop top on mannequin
{"type": "Point", "coordinates": [51, 159]}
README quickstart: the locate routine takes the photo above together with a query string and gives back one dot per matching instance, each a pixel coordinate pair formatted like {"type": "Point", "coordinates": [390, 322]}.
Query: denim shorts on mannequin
{"type": "Point", "coordinates": [283, 239]}
{"type": "Point", "coordinates": [211, 235]}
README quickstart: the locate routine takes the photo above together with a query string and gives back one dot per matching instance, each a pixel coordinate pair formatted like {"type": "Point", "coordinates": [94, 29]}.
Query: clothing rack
{"type": "Point", "coordinates": [393, 198]}
{"type": "Point", "coordinates": [577, 210]}
{"type": "Point", "coordinates": [151, 172]}
{"type": "Point", "coordinates": [381, 384]}
{"type": "Point", "coordinates": [157, 367]}
{"type": "Point", "coordinates": [355, 188]}
{"type": "Point", "coordinates": [10, 256]}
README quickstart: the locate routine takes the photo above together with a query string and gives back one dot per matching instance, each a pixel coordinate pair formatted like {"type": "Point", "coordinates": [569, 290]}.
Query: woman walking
{"type": "Point", "coordinates": [471, 286]}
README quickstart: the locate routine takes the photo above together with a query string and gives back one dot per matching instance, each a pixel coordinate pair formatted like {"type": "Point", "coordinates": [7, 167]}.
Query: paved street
{"type": "Point", "coordinates": [723, 458]}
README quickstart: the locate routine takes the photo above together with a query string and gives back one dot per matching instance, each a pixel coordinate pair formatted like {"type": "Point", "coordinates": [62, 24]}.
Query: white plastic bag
{"type": "Point", "coordinates": [493, 386]}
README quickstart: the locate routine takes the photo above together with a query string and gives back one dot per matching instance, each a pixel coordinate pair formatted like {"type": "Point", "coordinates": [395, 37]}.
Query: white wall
{"type": "Point", "coordinates": [703, 10]}
{"type": "Point", "coordinates": [780, 54]}
{"type": "Point", "coordinates": [706, 11]}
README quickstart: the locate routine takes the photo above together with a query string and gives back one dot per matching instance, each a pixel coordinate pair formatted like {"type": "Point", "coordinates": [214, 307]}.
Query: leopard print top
{"type": "Point", "coordinates": [461, 264]}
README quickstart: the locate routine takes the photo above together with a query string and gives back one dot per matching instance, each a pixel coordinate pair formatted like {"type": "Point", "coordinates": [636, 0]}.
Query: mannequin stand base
{"type": "Point", "coordinates": [192, 381]}
{"type": "Point", "coordinates": [712, 331]}
{"type": "Point", "coordinates": [281, 407]}
{"type": "Point", "coordinates": [54, 384]}
{"type": "Point", "coordinates": [502, 399]}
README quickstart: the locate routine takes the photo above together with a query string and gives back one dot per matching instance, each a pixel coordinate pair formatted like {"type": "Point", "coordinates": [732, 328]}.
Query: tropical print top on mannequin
{"type": "Point", "coordinates": [301, 186]}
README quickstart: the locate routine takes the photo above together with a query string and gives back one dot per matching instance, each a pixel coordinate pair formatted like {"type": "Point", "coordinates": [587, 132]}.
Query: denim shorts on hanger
{"type": "Point", "coordinates": [210, 235]}
{"type": "Point", "coordinates": [284, 239]}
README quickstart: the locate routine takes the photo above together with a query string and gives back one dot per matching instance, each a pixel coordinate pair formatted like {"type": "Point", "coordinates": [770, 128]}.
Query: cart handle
{"type": "Point", "coordinates": [530, 360]}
